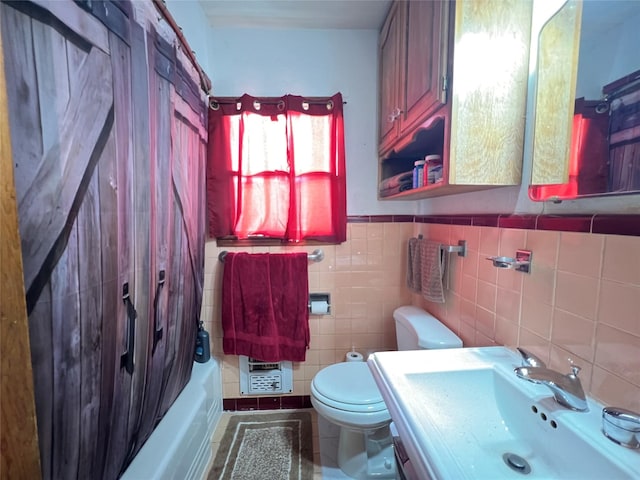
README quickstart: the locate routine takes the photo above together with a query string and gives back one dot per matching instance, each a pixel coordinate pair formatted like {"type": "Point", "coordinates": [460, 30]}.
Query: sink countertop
{"type": "Point", "coordinates": [423, 428]}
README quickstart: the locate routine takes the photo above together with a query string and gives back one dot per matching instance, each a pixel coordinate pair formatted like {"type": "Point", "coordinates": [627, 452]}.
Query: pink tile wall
{"type": "Point", "coordinates": [580, 302]}
{"type": "Point", "coordinates": [366, 279]}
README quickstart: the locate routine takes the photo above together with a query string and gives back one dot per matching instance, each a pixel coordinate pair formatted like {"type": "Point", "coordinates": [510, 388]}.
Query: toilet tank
{"type": "Point", "coordinates": [417, 329]}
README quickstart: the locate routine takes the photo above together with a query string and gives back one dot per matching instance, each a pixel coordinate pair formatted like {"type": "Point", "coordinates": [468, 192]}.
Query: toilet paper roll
{"type": "Point", "coordinates": [354, 357]}
{"type": "Point", "coordinates": [319, 307]}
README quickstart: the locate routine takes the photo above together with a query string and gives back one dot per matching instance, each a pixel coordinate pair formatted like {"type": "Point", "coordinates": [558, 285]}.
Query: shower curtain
{"type": "Point", "coordinates": [108, 134]}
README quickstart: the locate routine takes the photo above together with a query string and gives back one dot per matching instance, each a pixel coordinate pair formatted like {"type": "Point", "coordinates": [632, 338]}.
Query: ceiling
{"type": "Point", "coordinates": [296, 14]}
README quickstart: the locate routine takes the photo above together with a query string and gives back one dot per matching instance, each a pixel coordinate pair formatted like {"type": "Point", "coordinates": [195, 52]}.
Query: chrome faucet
{"type": "Point", "coordinates": [529, 359]}
{"type": "Point", "coordinates": [567, 389]}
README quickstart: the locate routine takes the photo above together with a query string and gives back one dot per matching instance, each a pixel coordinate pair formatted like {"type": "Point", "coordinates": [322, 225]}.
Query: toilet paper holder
{"type": "Point", "coordinates": [319, 303]}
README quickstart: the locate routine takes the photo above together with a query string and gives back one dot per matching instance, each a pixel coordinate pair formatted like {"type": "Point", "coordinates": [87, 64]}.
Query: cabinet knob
{"type": "Point", "coordinates": [395, 114]}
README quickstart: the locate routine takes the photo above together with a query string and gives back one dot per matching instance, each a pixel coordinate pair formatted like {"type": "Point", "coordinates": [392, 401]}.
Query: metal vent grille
{"type": "Point", "coordinates": [255, 365]}
{"type": "Point", "coordinates": [257, 377]}
{"type": "Point", "coordinates": [265, 383]}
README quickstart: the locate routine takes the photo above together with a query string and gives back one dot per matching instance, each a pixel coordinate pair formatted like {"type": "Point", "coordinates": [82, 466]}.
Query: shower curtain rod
{"type": "Point", "coordinates": [316, 256]}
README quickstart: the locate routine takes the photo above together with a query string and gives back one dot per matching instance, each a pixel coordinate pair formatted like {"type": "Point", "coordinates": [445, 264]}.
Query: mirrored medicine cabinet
{"type": "Point", "coordinates": [586, 126]}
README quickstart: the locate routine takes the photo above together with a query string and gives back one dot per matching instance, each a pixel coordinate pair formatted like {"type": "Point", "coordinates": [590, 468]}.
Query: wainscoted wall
{"type": "Point", "coordinates": [581, 301]}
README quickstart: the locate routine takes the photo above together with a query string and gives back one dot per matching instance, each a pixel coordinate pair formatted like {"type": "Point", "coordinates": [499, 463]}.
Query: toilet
{"type": "Point", "coordinates": [346, 394]}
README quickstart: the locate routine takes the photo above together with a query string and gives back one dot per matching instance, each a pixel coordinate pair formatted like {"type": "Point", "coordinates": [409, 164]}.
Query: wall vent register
{"type": "Point", "coordinates": [258, 377]}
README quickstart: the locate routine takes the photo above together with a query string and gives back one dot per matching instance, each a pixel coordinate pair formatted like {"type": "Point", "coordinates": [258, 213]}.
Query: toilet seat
{"type": "Point", "coordinates": [348, 386]}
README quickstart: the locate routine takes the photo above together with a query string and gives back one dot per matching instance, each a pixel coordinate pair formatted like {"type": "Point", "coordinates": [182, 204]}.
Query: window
{"type": "Point", "coordinates": [276, 169]}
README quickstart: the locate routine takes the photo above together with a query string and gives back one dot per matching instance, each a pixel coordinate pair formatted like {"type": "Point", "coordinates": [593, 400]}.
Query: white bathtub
{"type": "Point", "coordinates": [180, 446]}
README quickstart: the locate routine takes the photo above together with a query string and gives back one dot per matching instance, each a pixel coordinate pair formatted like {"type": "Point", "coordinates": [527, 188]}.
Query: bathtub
{"type": "Point", "coordinates": [180, 446]}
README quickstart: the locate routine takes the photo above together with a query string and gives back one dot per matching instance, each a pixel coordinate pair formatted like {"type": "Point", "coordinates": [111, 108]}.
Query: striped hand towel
{"type": "Point", "coordinates": [414, 265]}
{"type": "Point", "coordinates": [432, 269]}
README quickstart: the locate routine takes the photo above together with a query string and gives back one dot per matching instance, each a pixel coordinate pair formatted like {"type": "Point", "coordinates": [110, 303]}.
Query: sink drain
{"type": "Point", "coordinates": [516, 463]}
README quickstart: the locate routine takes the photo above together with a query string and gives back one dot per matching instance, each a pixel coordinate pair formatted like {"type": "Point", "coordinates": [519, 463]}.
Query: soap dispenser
{"type": "Point", "coordinates": [203, 350]}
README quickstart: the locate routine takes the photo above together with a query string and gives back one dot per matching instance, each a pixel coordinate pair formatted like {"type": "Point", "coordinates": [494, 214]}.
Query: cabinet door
{"type": "Point", "coordinates": [426, 61]}
{"type": "Point", "coordinates": [491, 57]}
{"type": "Point", "coordinates": [390, 70]}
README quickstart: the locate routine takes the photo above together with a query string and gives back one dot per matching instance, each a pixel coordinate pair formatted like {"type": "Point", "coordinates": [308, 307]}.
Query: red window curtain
{"type": "Point", "coordinates": [276, 168]}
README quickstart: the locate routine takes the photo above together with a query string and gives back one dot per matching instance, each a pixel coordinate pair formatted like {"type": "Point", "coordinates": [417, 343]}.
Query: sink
{"type": "Point", "coordinates": [463, 413]}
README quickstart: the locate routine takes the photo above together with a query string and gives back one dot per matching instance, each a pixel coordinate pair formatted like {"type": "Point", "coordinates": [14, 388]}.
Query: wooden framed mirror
{"type": "Point", "coordinates": [586, 137]}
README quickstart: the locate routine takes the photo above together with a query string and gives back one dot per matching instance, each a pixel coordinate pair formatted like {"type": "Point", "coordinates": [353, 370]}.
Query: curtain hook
{"type": "Point", "coordinates": [330, 105]}
{"type": "Point", "coordinates": [238, 106]}
{"type": "Point", "coordinates": [256, 104]}
{"type": "Point", "coordinates": [305, 105]}
{"type": "Point", "coordinates": [281, 105]}
{"type": "Point", "coordinates": [213, 104]}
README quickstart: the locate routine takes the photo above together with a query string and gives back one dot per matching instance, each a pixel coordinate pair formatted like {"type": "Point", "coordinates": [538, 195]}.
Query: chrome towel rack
{"type": "Point", "coordinates": [316, 256]}
{"type": "Point", "coordinates": [460, 249]}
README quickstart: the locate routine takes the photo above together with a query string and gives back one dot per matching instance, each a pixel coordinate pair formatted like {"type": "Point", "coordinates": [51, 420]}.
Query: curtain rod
{"type": "Point", "coordinates": [230, 101]}
{"type": "Point", "coordinates": [316, 256]}
{"type": "Point", "coordinates": [266, 102]}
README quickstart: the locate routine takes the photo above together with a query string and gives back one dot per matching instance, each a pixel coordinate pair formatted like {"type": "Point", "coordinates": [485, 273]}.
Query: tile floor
{"type": "Point", "coordinates": [325, 445]}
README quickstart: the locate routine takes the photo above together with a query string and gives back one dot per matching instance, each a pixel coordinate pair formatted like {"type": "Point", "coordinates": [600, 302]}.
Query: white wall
{"type": "Point", "coordinates": [608, 49]}
{"type": "Point", "coordinates": [189, 16]}
{"type": "Point", "coordinates": [274, 62]}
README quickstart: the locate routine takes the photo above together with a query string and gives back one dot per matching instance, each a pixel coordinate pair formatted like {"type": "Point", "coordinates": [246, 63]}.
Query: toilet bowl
{"type": "Point", "coordinates": [346, 394]}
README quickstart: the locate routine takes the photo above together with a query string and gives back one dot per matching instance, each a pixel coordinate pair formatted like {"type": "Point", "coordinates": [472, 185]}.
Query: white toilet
{"type": "Point", "coordinates": [346, 394]}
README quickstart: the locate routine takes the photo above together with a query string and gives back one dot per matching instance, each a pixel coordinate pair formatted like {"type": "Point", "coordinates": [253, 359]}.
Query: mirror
{"type": "Point", "coordinates": [587, 101]}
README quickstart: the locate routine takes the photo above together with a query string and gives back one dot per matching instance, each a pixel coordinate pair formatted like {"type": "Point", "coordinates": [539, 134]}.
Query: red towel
{"type": "Point", "coordinates": [265, 312]}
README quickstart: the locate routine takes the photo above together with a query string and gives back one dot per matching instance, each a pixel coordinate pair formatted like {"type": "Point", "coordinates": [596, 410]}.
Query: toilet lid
{"type": "Point", "coordinates": [349, 383]}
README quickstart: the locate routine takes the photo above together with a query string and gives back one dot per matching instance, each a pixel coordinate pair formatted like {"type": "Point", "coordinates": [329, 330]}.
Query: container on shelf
{"type": "Point", "coordinates": [418, 174]}
{"type": "Point", "coordinates": [433, 167]}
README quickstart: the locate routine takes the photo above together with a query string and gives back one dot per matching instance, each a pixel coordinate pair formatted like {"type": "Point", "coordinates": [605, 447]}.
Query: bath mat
{"type": "Point", "coordinates": [270, 446]}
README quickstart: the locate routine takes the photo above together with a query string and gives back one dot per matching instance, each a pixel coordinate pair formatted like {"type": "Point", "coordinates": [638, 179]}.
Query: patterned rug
{"type": "Point", "coordinates": [270, 446]}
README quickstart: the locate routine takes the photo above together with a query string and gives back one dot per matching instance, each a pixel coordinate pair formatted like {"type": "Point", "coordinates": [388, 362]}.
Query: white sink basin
{"type": "Point", "coordinates": [463, 413]}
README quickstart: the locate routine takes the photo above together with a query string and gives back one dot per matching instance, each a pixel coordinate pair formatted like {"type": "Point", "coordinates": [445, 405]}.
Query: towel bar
{"type": "Point", "coordinates": [316, 256]}
{"type": "Point", "coordinates": [460, 249]}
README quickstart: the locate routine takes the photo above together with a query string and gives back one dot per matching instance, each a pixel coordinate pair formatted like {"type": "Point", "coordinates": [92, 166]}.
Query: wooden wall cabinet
{"type": "Point", "coordinates": [479, 131]}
